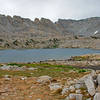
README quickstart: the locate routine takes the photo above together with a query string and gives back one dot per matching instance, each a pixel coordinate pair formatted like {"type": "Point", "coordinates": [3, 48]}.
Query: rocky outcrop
{"type": "Point", "coordinates": [18, 32]}
{"type": "Point", "coordinates": [90, 85]}
{"type": "Point", "coordinates": [84, 27]}
{"type": "Point", "coordinates": [85, 93]}
{"type": "Point", "coordinates": [85, 88]}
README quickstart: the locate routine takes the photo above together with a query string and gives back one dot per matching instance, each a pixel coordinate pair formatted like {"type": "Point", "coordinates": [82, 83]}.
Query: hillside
{"type": "Point", "coordinates": [17, 32]}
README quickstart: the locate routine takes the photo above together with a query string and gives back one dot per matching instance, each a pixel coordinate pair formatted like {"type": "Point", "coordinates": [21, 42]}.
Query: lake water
{"type": "Point", "coordinates": [31, 55]}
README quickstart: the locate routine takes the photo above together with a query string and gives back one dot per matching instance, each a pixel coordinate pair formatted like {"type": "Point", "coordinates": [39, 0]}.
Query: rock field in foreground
{"type": "Point", "coordinates": [49, 88]}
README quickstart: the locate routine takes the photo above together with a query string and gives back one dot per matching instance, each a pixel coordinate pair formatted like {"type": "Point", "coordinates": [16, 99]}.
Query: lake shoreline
{"type": "Point", "coordinates": [50, 48]}
{"type": "Point", "coordinates": [89, 61]}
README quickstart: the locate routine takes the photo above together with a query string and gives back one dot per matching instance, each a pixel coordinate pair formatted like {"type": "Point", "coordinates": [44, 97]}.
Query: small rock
{"type": "Point", "coordinates": [55, 87]}
{"type": "Point", "coordinates": [80, 85]}
{"type": "Point", "coordinates": [67, 98]}
{"type": "Point", "coordinates": [38, 99]}
{"type": "Point", "coordinates": [75, 96]}
{"type": "Point", "coordinates": [78, 91]}
{"type": "Point", "coordinates": [65, 90]}
{"type": "Point", "coordinates": [72, 88]}
{"type": "Point", "coordinates": [97, 71]}
{"type": "Point", "coordinates": [23, 78]}
{"type": "Point", "coordinates": [7, 77]}
{"type": "Point", "coordinates": [86, 94]}
{"type": "Point", "coordinates": [44, 79]}
{"type": "Point", "coordinates": [30, 96]}
{"type": "Point", "coordinates": [4, 94]}
{"type": "Point", "coordinates": [70, 82]}
{"type": "Point", "coordinates": [77, 86]}
{"type": "Point", "coordinates": [31, 68]}
{"type": "Point", "coordinates": [75, 80]}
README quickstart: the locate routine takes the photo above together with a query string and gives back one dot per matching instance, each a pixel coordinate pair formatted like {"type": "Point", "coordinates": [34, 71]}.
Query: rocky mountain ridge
{"type": "Point", "coordinates": [18, 32]}
{"type": "Point", "coordinates": [85, 27]}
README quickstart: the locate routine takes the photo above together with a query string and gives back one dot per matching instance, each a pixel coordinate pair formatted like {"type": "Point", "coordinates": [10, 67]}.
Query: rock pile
{"type": "Point", "coordinates": [9, 67]}
{"type": "Point", "coordinates": [85, 88]}
{"type": "Point", "coordinates": [16, 68]}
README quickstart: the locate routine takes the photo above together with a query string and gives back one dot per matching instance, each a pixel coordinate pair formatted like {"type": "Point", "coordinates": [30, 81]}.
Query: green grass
{"type": "Point", "coordinates": [82, 70]}
{"type": "Point", "coordinates": [80, 58]}
{"type": "Point", "coordinates": [44, 69]}
{"type": "Point", "coordinates": [12, 64]}
{"type": "Point", "coordinates": [44, 65]}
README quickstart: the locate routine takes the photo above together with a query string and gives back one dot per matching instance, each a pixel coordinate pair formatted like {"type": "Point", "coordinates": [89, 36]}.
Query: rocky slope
{"type": "Point", "coordinates": [17, 32]}
{"type": "Point", "coordinates": [49, 82]}
{"type": "Point", "coordinates": [37, 81]}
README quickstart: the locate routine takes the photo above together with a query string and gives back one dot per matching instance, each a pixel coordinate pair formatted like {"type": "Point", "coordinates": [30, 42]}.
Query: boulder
{"type": "Point", "coordinates": [97, 96]}
{"type": "Point", "coordinates": [98, 89]}
{"type": "Point", "coordinates": [93, 73]}
{"type": "Point", "coordinates": [98, 79]}
{"type": "Point", "coordinates": [90, 85]}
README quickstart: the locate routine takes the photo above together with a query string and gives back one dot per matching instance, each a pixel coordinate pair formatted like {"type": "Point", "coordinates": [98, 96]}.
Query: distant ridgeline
{"type": "Point", "coordinates": [17, 32]}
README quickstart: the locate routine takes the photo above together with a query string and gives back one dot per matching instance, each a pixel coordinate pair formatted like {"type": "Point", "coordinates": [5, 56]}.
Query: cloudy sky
{"type": "Point", "coordinates": [52, 9]}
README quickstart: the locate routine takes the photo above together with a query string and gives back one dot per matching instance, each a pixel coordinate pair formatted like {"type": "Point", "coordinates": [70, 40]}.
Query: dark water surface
{"type": "Point", "coordinates": [30, 55]}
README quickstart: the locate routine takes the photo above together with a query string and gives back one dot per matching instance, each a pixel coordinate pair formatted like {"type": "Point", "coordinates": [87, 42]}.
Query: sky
{"type": "Point", "coordinates": [51, 9]}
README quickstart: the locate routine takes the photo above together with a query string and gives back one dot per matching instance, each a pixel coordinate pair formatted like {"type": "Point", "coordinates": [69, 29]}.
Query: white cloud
{"type": "Point", "coordinates": [52, 9]}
